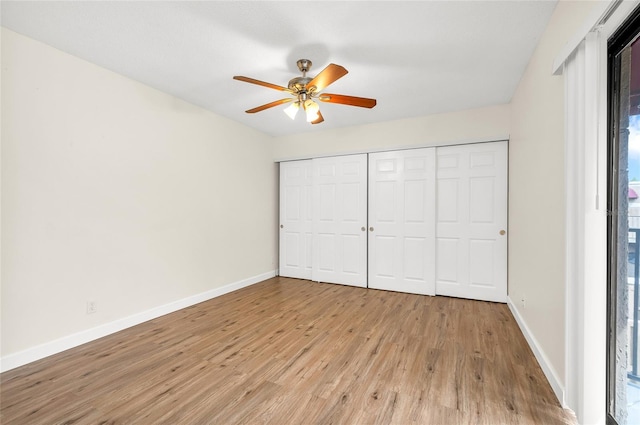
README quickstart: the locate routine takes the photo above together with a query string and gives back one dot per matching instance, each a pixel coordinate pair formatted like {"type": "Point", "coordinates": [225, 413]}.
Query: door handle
{"type": "Point", "coordinates": [371, 229]}
{"type": "Point", "coordinates": [363, 228]}
{"type": "Point", "coordinates": [502, 232]}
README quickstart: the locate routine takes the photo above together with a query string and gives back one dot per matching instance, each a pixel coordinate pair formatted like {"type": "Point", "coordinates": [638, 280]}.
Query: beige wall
{"type": "Point", "coordinates": [536, 189]}
{"type": "Point", "coordinates": [118, 193]}
{"type": "Point", "coordinates": [484, 124]}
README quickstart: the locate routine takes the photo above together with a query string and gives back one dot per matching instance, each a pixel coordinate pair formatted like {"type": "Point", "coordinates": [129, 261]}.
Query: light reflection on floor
{"type": "Point", "coordinates": [633, 403]}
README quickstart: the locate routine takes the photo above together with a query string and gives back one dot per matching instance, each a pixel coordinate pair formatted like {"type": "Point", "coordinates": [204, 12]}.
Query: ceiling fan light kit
{"type": "Point", "coordinates": [292, 110]}
{"type": "Point", "coordinates": [306, 89]}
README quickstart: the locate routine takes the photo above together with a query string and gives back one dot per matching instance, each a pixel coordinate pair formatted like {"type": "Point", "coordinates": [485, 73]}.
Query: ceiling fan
{"type": "Point", "coordinates": [306, 90]}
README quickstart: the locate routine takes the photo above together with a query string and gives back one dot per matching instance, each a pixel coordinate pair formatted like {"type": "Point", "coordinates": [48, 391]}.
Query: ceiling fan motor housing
{"type": "Point", "coordinates": [298, 84]}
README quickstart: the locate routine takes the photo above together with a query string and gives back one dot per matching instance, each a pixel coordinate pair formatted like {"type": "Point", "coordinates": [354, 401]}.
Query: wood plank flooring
{"type": "Point", "coordinates": [288, 351]}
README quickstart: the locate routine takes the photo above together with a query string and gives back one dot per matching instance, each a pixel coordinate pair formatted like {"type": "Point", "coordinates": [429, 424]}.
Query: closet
{"type": "Point", "coordinates": [295, 219]}
{"type": "Point", "coordinates": [323, 219]}
{"type": "Point", "coordinates": [471, 221]}
{"type": "Point", "coordinates": [401, 221]}
{"type": "Point", "coordinates": [427, 221]}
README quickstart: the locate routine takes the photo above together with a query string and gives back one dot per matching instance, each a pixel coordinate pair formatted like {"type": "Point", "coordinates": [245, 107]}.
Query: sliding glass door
{"type": "Point", "coordinates": [623, 374]}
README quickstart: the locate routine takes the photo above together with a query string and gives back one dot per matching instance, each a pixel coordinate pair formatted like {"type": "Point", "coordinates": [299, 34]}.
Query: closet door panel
{"type": "Point", "coordinates": [295, 219]}
{"type": "Point", "coordinates": [472, 221]}
{"type": "Point", "coordinates": [326, 258]}
{"type": "Point", "coordinates": [340, 215]}
{"type": "Point", "coordinates": [382, 259]}
{"type": "Point", "coordinates": [402, 221]}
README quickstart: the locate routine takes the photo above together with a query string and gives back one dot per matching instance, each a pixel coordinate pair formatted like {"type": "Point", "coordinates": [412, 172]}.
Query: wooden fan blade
{"type": "Point", "coordinates": [327, 76]}
{"type": "Point", "coordinates": [319, 119]}
{"type": "Point", "coordinates": [268, 105]}
{"type": "Point", "coordinates": [363, 102]}
{"type": "Point", "coordinates": [260, 83]}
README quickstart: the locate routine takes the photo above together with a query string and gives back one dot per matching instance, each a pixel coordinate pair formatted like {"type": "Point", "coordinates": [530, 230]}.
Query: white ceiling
{"type": "Point", "coordinates": [415, 57]}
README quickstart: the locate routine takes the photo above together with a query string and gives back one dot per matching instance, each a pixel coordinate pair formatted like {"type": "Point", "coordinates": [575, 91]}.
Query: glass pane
{"type": "Point", "coordinates": [626, 400]}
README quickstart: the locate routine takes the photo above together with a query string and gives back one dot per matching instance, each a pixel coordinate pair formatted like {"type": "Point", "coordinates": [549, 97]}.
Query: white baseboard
{"type": "Point", "coordinates": [548, 370]}
{"type": "Point", "coordinates": [38, 352]}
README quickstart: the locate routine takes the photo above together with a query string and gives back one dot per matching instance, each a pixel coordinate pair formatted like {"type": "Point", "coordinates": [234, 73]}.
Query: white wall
{"type": "Point", "coordinates": [118, 193]}
{"type": "Point", "coordinates": [536, 194]}
{"type": "Point", "coordinates": [484, 124]}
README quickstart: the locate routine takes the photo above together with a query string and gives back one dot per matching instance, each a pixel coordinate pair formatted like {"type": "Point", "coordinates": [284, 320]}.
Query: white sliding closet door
{"type": "Point", "coordinates": [296, 219]}
{"type": "Point", "coordinates": [471, 241]}
{"type": "Point", "coordinates": [402, 221]}
{"type": "Point", "coordinates": [340, 220]}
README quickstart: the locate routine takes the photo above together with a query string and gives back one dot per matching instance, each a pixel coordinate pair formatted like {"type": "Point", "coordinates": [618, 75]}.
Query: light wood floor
{"type": "Point", "coordinates": [289, 351]}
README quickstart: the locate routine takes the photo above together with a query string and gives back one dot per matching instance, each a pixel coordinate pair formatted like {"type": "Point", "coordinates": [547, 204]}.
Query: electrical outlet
{"type": "Point", "coordinates": [92, 307]}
